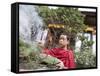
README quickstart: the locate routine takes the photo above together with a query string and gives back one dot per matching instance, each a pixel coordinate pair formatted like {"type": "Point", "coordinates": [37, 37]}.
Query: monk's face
{"type": "Point", "coordinates": [63, 41]}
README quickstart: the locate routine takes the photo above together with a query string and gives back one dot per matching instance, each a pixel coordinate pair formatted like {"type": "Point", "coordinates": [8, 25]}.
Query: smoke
{"type": "Point", "coordinates": [30, 24]}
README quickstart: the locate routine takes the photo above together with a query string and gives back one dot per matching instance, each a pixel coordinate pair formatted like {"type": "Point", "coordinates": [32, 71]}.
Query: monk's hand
{"type": "Point", "coordinates": [60, 65]}
{"type": "Point", "coordinates": [65, 68]}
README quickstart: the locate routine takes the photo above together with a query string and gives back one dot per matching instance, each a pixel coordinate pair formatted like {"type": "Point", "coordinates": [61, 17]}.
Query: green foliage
{"type": "Point", "coordinates": [85, 42]}
{"type": "Point", "coordinates": [31, 57]}
{"type": "Point", "coordinates": [49, 59]}
{"type": "Point", "coordinates": [26, 49]}
{"type": "Point", "coordinates": [70, 17]}
{"type": "Point", "coordinates": [85, 58]}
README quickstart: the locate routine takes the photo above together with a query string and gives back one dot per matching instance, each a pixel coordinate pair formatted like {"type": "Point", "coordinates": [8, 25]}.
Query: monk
{"type": "Point", "coordinates": [63, 53]}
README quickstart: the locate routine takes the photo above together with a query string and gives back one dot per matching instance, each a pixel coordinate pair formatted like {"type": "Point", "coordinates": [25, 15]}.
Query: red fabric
{"type": "Point", "coordinates": [66, 56]}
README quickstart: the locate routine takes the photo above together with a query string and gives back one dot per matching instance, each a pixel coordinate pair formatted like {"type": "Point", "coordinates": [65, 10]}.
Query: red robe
{"type": "Point", "coordinates": [66, 56]}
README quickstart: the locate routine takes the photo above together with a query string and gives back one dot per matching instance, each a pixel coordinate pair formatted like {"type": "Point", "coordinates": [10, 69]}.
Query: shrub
{"type": "Point", "coordinates": [85, 58]}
